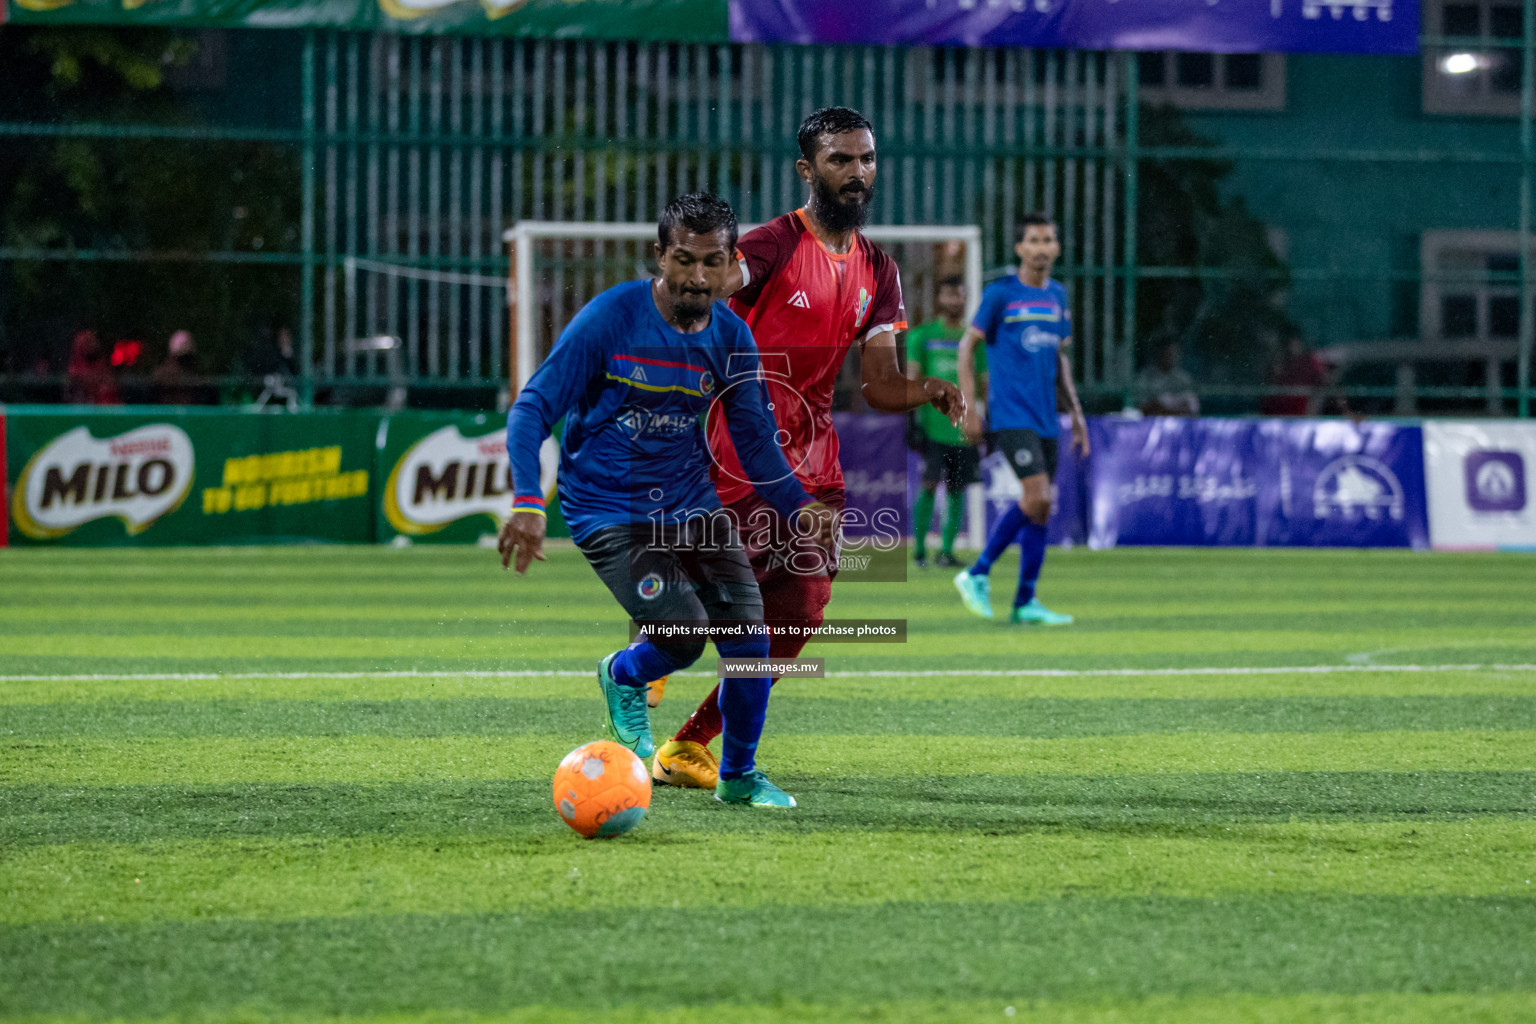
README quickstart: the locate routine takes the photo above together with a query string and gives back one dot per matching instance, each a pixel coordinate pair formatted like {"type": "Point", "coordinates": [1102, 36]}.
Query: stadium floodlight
{"type": "Point", "coordinates": [524, 236]}
{"type": "Point", "coordinates": [1462, 63]}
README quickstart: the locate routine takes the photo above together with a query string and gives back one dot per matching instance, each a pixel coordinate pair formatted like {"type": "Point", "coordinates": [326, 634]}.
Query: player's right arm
{"type": "Point", "coordinates": [550, 393]}
{"type": "Point", "coordinates": [915, 351]}
{"type": "Point", "coordinates": [982, 324]}
{"type": "Point", "coordinates": [968, 343]}
{"type": "Point", "coordinates": [915, 342]}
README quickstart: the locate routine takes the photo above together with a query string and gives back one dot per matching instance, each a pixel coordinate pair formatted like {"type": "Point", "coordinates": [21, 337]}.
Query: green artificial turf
{"type": "Point", "coordinates": [313, 783]}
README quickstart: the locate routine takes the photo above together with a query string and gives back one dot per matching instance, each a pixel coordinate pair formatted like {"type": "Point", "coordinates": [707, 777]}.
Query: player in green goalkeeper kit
{"type": "Point", "coordinates": [933, 350]}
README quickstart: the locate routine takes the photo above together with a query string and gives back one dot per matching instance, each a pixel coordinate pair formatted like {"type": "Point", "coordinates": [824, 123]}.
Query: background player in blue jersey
{"type": "Point", "coordinates": [632, 373]}
{"type": "Point", "coordinates": [1026, 324]}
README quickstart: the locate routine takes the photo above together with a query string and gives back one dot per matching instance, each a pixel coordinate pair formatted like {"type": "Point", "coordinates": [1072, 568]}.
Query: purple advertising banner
{"type": "Point", "coordinates": [1339, 484]}
{"type": "Point", "coordinates": [1173, 481]}
{"type": "Point", "coordinates": [1214, 26]}
{"type": "Point", "coordinates": [874, 459]}
{"type": "Point", "coordinates": [1178, 482]}
{"type": "Point", "coordinates": [1318, 483]}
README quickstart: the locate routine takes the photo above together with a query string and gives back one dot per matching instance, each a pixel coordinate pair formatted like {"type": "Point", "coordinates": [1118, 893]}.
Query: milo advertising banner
{"type": "Point", "coordinates": [179, 476]}
{"type": "Point", "coordinates": [446, 478]}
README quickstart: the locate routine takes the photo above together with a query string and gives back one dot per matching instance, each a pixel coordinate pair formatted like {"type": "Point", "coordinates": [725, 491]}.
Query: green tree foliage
{"type": "Point", "coordinates": [155, 198]}
{"type": "Point", "coordinates": [1228, 317]}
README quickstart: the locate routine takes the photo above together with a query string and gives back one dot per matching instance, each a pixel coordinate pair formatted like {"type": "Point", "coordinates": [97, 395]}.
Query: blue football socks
{"type": "Point", "coordinates": [642, 661]}
{"type": "Point", "coordinates": [1002, 535]}
{"type": "Point", "coordinates": [1032, 557]}
{"type": "Point", "coordinates": [743, 708]}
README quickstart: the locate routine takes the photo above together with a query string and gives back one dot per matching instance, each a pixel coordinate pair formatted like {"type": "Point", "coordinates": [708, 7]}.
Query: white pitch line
{"type": "Point", "coordinates": [1053, 673]}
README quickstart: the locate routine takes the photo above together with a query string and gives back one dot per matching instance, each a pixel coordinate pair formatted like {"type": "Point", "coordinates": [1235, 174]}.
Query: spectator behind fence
{"type": "Point", "coordinates": [1164, 388]}
{"type": "Point", "coordinates": [176, 380]}
{"type": "Point", "coordinates": [270, 361]}
{"type": "Point", "coordinates": [1301, 368]}
{"type": "Point", "coordinates": [270, 350]}
{"type": "Point", "coordinates": [89, 380]}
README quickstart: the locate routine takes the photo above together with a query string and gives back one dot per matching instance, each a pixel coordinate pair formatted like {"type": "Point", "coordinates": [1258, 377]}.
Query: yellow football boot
{"type": "Point", "coordinates": [686, 764]}
{"type": "Point", "coordinates": [655, 691]}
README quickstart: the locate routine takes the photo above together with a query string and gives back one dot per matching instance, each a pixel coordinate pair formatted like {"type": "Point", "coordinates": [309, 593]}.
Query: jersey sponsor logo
{"type": "Point", "coordinates": [1036, 339]}
{"type": "Point", "coordinates": [639, 423]}
{"type": "Point", "coordinates": [1356, 486]}
{"type": "Point", "coordinates": [800, 299]}
{"type": "Point", "coordinates": [137, 477]}
{"type": "Point", "coordinates": [446, 477]}
{"type": "Point", "coordinates": [650, 587]}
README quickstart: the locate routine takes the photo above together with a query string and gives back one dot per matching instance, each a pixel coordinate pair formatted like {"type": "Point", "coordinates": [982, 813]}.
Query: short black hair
{"type": "Point", "coordinates": [829, 121]}
{"type": "Point", "coordinates": [702, 213]}
{"type": "Point", "coordinates": [1034, 220]}
{"type": "Point", "coordinates": [952, 281]}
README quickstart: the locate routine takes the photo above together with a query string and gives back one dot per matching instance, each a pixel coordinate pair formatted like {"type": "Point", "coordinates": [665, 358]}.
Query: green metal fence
{"type": "Point", "coordinates": [415, 153]}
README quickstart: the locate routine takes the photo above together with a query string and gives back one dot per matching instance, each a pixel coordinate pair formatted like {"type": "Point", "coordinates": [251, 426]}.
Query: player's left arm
{"type": "Point", "coordinates": [887, 389]}
{"type": "Point", "coordinates": [1066, 395]}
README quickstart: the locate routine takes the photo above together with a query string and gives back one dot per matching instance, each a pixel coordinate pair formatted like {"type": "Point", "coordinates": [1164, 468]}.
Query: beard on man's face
{"type": "Point", "coordinates": [844, 209]}
{"type": "Point", "coordinates": [688, 304]}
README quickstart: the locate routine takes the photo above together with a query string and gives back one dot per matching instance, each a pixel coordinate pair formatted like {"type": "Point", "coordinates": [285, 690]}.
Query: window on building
{"type": "Point", "coordinates": [1213, 81]}
{"type": "Point", "coordinates": [1471, 289]}
{"type": "Point", "coordinates": [1473, 77]}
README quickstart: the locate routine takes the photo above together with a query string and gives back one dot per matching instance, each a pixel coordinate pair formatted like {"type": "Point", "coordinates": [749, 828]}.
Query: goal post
{"type": "Point", "coordinates": [631, 243]}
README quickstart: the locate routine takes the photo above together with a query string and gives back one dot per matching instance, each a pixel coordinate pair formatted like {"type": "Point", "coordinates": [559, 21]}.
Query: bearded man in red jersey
{"type": "Point", "coordinates": [810, 286]}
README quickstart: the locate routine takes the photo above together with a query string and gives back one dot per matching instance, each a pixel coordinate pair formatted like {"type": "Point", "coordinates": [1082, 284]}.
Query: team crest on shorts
{"type": "Point", "coordinates": [1023, 456]}
{"type": "Point", "coordinates": [650, 587]}
{"type": "Point", "coordinates": [706, 382]}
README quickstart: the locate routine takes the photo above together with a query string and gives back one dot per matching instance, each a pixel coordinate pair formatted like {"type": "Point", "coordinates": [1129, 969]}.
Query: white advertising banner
{"type": "Point", "coordinates": [1479, 477]}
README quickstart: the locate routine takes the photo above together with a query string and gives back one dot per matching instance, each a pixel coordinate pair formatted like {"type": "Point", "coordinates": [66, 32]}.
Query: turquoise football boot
{"type": "Point", "coordinates": [1037, 614]}
{"type": "Point", "coordinates": [626, 717]}
{"type": "Point", "coordinates": [976, 592]}
{"type": "Point", "coordinates": [752, 789]}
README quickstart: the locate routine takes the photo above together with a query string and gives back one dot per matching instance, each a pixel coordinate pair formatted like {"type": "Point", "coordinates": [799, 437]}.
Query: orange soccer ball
{"type": "Point", "coordinates": [602, 790]}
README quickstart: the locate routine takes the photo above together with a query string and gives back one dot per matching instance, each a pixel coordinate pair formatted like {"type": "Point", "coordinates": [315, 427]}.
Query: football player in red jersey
{"type": "Point", "coordinates": [810, 286]}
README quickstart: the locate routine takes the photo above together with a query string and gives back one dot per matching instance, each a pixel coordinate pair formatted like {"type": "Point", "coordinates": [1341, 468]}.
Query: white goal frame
{"type": "Point", "coordinates": [522, 236]}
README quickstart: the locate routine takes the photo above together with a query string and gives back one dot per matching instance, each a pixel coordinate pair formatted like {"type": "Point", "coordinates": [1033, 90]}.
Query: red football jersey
{"type": "Point", "coordinates": [805, 306]}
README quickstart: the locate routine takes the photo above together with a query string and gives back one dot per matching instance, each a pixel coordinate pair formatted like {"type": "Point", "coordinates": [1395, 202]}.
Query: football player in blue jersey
{"type": "Point", "coordinates": [631, 374]}
{"type": "Point", "coordinates": [1026, 323]}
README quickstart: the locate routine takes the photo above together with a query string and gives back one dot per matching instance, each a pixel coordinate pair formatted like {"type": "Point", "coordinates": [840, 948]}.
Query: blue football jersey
{"type": "Point", "coordinates": [1024, 328]}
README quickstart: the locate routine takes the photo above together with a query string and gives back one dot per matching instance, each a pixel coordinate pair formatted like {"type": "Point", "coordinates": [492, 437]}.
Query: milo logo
{"type": "Point", "coordinates": [446, 476]}
{"type": "Point", "coordinates": [137, 477]}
